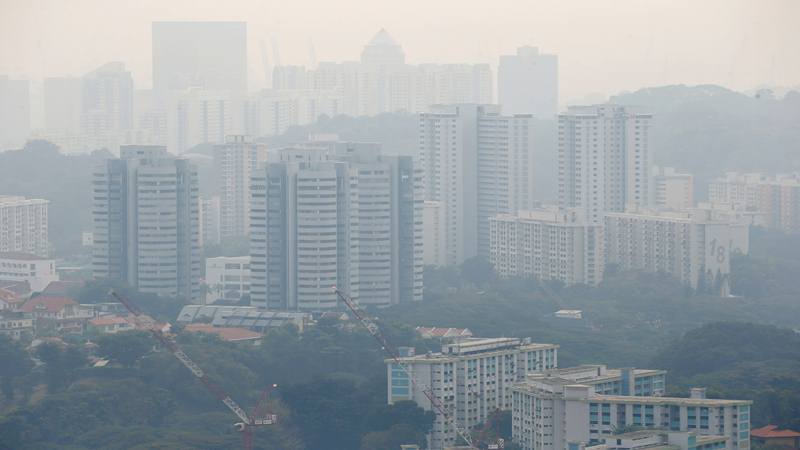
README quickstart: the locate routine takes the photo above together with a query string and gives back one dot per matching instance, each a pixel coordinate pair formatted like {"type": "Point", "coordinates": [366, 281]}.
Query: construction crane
{"type": "Point", "coordinates": [248, 422]}
{"type": "Point", "coordinates": [376, 333]}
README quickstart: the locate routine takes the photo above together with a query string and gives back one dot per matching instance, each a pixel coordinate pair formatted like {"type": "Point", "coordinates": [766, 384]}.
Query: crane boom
{"type": "Point", "coordinates": [376, 333]}
{"type": "Point", "coordinates": [176, 350]}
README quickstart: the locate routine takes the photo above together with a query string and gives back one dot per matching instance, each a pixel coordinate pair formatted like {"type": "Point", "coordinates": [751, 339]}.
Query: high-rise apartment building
{"type": "Point", "coordinates": [207, 55]}
{"type": "Point", "coordinates": [199, 116]}
{"type": "Point", "coordinates": [434, 238]}
{"type": "Point", "coordinates": [236, 160]}
{"type": "Point", "coordinates": [471, 377]}
{"type": "Point", "coordinates": [210, 220]}
{"type": "Point", "coordinates": [775, 198]}
{"type": "Point", "coordinates": [604, 159]}
{"type": "Point", "coordinates": [23, 225]}
{"type": "Point", "coordinates": [672, 189]}
{"type": "Point", "coordinates": [694, 246]}
{"type": "Point", "coordinates": [63, 104]}
{"type": "Point", "coordinates": [527, 83]}
{"type": "Point", "coordinates": [15, 112]}
{"type": "Point", "coordinates": [548, 244]}
{"type": "Point", "coordinates": [477, 164]}
{"type": "Point", "coordinates": [331, 213]}
{"type": "Point", "coordinates": [146, 227]}
{"type": "Point", "coordinates": [554, 412]}
{"type": "Point", "coordinates": [107, 100]}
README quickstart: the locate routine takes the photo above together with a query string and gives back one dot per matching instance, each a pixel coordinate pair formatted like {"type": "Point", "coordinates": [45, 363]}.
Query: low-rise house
{"type": "Point", "coordinates": [37, 271]}
{"type": "Point", "coordinates": [21, 289]}
{"type": "Point", "coordinates": [247, 317]}
{"type": "Point", "coordinates": [10, 301]}
{"type": "Point", "coordinates": [772, 436]}
{"type": "Point", "coordinates": [15, 324]}
{"type": "Point", "coordinates": [64, 313]}
{"type": "Point", "coordinates": [110, 323]}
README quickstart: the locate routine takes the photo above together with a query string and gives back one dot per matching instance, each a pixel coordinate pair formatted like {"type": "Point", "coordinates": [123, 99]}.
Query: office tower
{"type": "Point", "coordinates": [198, 116]}
{"type": "Point", "coordinates": [527, 83]}
{"type": "Point", "coordinates": [693, 246]}
{"type": "Point", "coordinates": [146, 230]}
{"type": "Point", "coordinates": [15, 113]}
{"type": "Point", "coordinates": [63, 104]}
{"type": "Point", "coordinates": [471, 377]}
{"type": "Point", "coordinates": [107, 101]}
{"type": "Point", "coordinates": [672, 190]}
{"type": "Point", "coordinates": [477, 164]}
{"type": "Point", "coordinates": [207, 55]}
{"type": "Point", "coordinates": [23, 225]}
{"type": "Point", "coordinates": [210, 221]}
{"type": "Point", "coordinates": [273, 112]}
{"type": "Point", "coordinates": [776, 199]}
{"type": "Point", "coordinates": [548, 244]}
{"type": "Point", "coordinates": [553, 412]}
{"type": "Point", "coordinates": [335, 213]}
{"type": "Point", "coordinates": [236, 160]}
{"type": "Point", "coordinates": [604, 159]}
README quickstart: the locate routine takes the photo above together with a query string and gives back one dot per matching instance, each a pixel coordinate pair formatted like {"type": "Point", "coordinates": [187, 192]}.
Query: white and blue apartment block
{"type": "Point", "coordinates": [471, 377]}
{"type": "Point", "coordinates": [558, 410]}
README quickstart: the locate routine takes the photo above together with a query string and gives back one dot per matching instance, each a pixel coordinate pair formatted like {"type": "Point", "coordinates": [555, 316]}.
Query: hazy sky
{"type": "Point", "coordinates": [604, 45]}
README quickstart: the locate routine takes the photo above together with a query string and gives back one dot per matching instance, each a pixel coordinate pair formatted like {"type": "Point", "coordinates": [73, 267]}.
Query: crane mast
{"type": "Point", "coordinates": [167, 341]}
{"type": "Point", "coordinates": [376, 333]}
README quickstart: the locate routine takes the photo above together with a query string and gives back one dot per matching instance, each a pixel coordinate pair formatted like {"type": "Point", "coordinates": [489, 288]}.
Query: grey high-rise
{"type": "Point", "coordinates": [336, 214]}
{"type": "Point", "coordinates": [146, 222]}
{"type": "Point", "coordinates": [236, 160]}
{"type": "Point", "coordinates": [527, 83]}
{"type": "Point", "coordinates": [604, 159]}
{"type": "Point", "coordinates": [208, 55]}
{"type": "Point", "coordinates": [477, 163]}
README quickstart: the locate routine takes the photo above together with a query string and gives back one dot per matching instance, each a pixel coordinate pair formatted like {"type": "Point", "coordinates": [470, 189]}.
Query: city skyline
{"type": "Point", "coordinates": [738, 44]}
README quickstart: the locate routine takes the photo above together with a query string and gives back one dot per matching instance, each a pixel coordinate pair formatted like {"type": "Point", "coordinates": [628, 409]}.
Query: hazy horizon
{"type": "Point", "coordinates": [624, 45]}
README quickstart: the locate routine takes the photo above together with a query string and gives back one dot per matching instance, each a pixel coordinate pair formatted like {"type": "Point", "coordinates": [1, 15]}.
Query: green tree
{"type": "Point", "coordinates": [126, 347]}
{"type": "Point", "coordinates": [15, 363]}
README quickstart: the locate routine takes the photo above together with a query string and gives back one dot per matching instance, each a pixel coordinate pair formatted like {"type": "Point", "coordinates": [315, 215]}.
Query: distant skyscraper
{"type": "Point", "coordinates": [236, 160]}
{"type": "Point", "coordinates": [209, 55]}
{"type": "Point", "coordinates": [198, 116]}
{"type": "Point", "coordinates": [527, 83]}
{"type": "Point", "coordinates": [604, 158]}
{"type": "Point", "coordinates": [146, 222]}
{"type": "Point", "coordinates": [336, 214]}
{"type": "Point", "coordinates": [209, 220]}
{"type": "Point", "coordinates": [671, 189]}
{"type": "Point", "coordinates": [15, 113]}
{"type": "Point", "coordinates": [23, 225]}
{"type": "Point", "coordinates": [63, 104]}
{"type": "Point", "coordinates": [477, 163]}
{"type": "Point", "coordinates": [383, 49]}
{"type": "Point", "coordinates": [107, 101]}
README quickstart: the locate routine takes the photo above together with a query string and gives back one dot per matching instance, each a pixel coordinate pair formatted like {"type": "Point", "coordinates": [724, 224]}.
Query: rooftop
{"type": "Point", "coordinates": [440, 332]}
{"type": "Point", "coordinates": [478, 346]}
{"type": "Point", "coordinates": [669, 400]}
{"type": "Point", "coordinates": [61, 288]}
{"type": "Point", "coordinates": [47, 303]}
{"type": "Point", "coordinates": [772, 431]}
{"type": "Point", "coordinates": [20, 256]}
{"type": "Point", "coordinates": [110, 319]}
{"type": "Point", "coordinates": [224, 333]}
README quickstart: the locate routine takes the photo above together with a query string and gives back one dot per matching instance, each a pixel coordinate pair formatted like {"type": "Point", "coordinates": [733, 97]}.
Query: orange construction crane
{"type": "Point", "coordinates": [248, 423]}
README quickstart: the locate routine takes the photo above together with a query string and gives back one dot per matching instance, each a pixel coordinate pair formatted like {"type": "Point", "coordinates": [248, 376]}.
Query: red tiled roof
{"type": "Point", "coordinates": [110, 319]}
{"type": "Point", "coordinates": [225, 333]}
{"type": "Point", "coordinates": [47, 303]}
{"type": "Point", "coordinates": [21, 288]}
{"type": "Point", "coordinates": [772, 431]}
{"type": "Point", "coordinates": [61, 287]}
